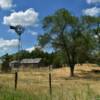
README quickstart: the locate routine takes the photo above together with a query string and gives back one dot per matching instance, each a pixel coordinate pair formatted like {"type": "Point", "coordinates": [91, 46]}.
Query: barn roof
{"type": "Point", "coordinates": [31, 61]}
{"type": "Point", "coordinates": [14, 61]}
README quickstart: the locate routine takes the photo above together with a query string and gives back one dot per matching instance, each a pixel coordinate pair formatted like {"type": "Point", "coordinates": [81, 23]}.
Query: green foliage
{"type": "Point", "coordinates": [58, 59]}
{"type": "Point", "coordinates": [21, 55]}
{"type": "Point", "coordinates": [68, 34]}
{"type": "Point", "coordinates": [5, 65]}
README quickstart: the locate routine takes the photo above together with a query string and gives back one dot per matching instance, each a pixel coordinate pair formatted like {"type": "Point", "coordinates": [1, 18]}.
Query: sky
{"type": "Point", "coordinates": [30, 13]}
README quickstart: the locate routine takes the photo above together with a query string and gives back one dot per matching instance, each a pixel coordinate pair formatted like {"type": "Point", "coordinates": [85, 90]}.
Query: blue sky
{"type": "Point", "coordinates": [35, 11]}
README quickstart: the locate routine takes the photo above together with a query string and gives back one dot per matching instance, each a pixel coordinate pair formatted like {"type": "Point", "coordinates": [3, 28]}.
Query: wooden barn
{"type": "Point", "coordinates": [31, 62]}
{"type": "Point", "coordinates": [36, 62]}
{"type": "Point", "coordinates": [14, 64]}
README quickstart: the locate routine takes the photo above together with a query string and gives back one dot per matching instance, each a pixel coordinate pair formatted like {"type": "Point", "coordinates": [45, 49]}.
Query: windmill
{"type": "Point", "coordinates": [19, 30]}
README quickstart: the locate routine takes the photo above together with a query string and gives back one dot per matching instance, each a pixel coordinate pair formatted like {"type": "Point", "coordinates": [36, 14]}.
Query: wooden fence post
{"type": "Point", "coordinates": [50, 82]}
{"type": "Point", "coordinates": [16, 79]}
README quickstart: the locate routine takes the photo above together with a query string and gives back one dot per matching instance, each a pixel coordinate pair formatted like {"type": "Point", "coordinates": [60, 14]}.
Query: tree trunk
{"type": "Point", "coordinates": [72, 70]}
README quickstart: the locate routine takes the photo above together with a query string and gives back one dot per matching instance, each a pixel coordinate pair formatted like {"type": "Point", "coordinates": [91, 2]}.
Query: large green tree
{"type": "Point", "coordinates": [67, 33]}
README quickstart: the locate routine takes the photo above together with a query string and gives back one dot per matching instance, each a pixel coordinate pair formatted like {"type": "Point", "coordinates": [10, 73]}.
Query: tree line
{"type": "Point", "coordinates": [54, 58]}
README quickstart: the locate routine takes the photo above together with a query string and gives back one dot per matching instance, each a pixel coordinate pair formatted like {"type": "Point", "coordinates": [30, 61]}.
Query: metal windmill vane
{"type": "Point", "coordinates": [19, 30]}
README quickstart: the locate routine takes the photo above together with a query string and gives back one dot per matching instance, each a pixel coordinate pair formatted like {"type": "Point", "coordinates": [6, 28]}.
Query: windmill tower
{"type": "Point", "coordinates": [19, 30]}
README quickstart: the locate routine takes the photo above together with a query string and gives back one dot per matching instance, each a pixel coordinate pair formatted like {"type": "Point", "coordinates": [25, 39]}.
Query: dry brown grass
{"type": "Point", "coordinates": [36, 80]}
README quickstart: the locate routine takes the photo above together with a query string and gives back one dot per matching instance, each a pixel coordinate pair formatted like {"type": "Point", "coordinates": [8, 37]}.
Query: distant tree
{"type": "Point", "coordinates": [46, 57]}
{"type": "Point", "coordinates": [37, 53]}
{"type": "Point", "coordinates": [23, 54]}
{"type": "Point", "coordinates": [5, 65]}
{"type": "Point", "coordinates": [20, 55]}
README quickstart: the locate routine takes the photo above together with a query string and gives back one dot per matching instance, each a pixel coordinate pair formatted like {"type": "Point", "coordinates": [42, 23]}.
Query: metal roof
{"type": "Point", "coordinates": [14, 61]}
{"type": "Point", "coordinates": [31, 61]}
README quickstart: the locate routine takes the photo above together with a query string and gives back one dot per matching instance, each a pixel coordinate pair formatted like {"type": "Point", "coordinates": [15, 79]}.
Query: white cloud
{"type": "Point", "coordinates": [5, 4]}
{"type": "Point", "coordinates": [34, 33]}
{"type": "Point", "coordinates": [92, 11]}
{"type": "Point", "coordinates": [92, 1]}
{"type": "Point", "coordinates": [8, 44]}
{"type": "Point", "coordinates": [33, 48]}
{"type": "Point", "coordinates": [24, 18]}
{"type": "Point", "coordinates": [30, 49]}
{"type": "Point", "coordinates": [96, 36]}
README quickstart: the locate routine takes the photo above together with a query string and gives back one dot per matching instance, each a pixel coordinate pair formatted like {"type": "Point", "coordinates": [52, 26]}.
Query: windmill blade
{"type": "Point", "coordinates": [18, 29]}
{"type": "Point", "coordinates": [12, 27]}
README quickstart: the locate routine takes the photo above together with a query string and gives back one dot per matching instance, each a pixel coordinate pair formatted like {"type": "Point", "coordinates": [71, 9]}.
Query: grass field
{"type": "Point", "coordinates": [34, 84]}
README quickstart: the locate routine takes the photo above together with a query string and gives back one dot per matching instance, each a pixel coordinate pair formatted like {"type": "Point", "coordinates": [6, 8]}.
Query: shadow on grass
{"type": "Point", "coordinates": [87, 75]}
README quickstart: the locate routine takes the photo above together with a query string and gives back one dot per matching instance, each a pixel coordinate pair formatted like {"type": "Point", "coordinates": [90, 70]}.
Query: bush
{"type": "Point", "coordinates": [5, 65]}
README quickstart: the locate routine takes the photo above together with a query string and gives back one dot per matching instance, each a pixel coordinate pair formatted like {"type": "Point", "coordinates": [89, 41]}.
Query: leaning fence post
{"type": "Point", "coordinates": [16, 79]}
{"type": "Point", "coordinates": [50, 82]}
